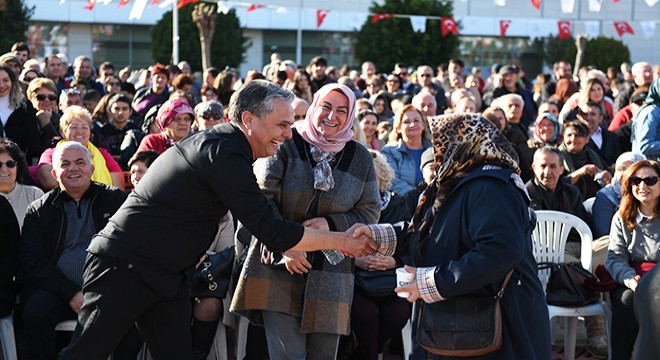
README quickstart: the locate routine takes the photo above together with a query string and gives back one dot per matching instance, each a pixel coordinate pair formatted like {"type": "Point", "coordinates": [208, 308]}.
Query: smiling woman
{"type": "Point", "coordinates": [174, 120]}
{"type": "Point", "coordinates": [13, 169]}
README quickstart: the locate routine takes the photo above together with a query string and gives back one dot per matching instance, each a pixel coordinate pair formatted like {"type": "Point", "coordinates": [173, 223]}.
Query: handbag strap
{"type": "Point", "coordinates": [500, 293]}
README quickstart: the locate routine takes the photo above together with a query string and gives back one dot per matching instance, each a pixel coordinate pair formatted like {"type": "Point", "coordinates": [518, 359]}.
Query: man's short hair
{"type": "Point", "coordinates": [20, 46]}
{"type": "Point", "coordinates": [107, 65]}
{"type": "Point", "coordinates": [213, 71]}
{"type": "Point", "coordinates": [458, 62]}
{"type": "Point", "coordinates": [119, 98]}
{"type": "Point", "coordinates": [504, 99]}
{"type": "Point", "coordinates": [79, 60]}
{"type": "Point", "coordinates": [546, 150]}
{"type": "Point", "coordinates": [579, 127]}
{"type": "Point", "coordinates": [146, 156]}
{"type": "Point", "coordinates": [257, 97]}
{"type": "Point", "coordinates": [318, 61]}
{"type": "Point", "coordinates": [71, 145]}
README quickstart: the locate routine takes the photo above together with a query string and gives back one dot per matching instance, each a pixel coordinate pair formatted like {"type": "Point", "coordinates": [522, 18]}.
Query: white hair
{"type": "Point", "coordinates": [71, 145]}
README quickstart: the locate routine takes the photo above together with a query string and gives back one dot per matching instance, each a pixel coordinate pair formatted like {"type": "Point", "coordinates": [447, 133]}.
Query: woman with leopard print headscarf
{"type": "Point", "coordinates": [471, 228]}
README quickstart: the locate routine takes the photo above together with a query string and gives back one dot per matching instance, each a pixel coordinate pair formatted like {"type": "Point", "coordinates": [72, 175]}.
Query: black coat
{"type": "Point", "coordinates": [9, 239]}
{"type": "Point", "coordinates": [44, 229]}
{"type": "Point", "coordinates": [482, 231]}
{"type": "Point", "coordinates": [23, 128]}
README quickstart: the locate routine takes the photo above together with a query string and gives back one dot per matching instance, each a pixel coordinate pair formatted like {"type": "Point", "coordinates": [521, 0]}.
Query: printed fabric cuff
{"type": "Point", "coordinates": [426, 285]}
{"type": "Point", "coordinates": [385, 236]}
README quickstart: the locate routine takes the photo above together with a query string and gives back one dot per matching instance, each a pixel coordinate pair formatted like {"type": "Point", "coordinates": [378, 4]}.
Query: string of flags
{"type": "Point", "coordinates": [448, 25]}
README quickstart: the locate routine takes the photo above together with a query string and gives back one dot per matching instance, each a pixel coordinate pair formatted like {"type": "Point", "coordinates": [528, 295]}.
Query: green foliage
{"type": "Point", "coordinates": [601, 52]}
{"type": "Point", "coordinates": [393, 40]}
{"type": "Point", "coordinates": [228, 46]}
{"type": "Point", "coordinates": [14, 19]}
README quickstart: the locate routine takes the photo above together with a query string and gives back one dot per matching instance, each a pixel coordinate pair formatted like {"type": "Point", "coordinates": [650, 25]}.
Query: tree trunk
{"type": "Point", "coordinates": [204, 17]}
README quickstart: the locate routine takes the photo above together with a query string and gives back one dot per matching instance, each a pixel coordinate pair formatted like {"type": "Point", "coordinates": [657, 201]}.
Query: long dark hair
{"type": "Point", "coordinates": [16, 93]}
{"type": "Point", "coordinates": [9, 147]}
{"type": "Point", "coordinates": [630, 204]}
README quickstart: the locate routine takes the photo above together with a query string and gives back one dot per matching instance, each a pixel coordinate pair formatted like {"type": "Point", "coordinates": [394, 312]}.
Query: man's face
{"type": "Point", "coordinates": [265, 134]}
{"type": "Point", "coordinates": [318, 71]}
{"type": "Point", "coordinates": [564, 71]}
{"type": "Point", "coordinates": [590, 116]}
{"type": "Point", "coordinates": [454, 68]}
{"type": "Point", "coordinates": [509, 80]}
{"type": "Point", "coordinates": [15, 67]}
{"type": "Point", "coordinates": [54, 67]}
{"type": "Point", "coordinates": [22, 55]}
{"type": "Point", "coordinates": [72, 170]}
{"type": "Point", "coordinates": [106, 73]}
{"type": "Point", "coordinates": [159, 81]}
{"type": "Point", "coordinates": [368, 70]}
{"type": "Point", "coordinates": [426, 104]}
{"type": "Point", "coordinates": [84, 71]}
{"type": "Point", "coordinates": [424, 75]}
{"type": "Point", "coordinates": [71, 100]}
{"type": "Point", "coordinates": [643, 75]}
{"type": "Point", "coordinates": [403, 74]}
{"type": "Point", "coordinates": [547, 169]}
{"type": "Point", "coordinates": [120, 111]}
{"type": "Point", "coordinates": [513, 109]}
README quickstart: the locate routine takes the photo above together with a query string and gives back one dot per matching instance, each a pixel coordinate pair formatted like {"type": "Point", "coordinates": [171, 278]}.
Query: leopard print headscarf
{"type": "Point", "coordinates": [461, 143]}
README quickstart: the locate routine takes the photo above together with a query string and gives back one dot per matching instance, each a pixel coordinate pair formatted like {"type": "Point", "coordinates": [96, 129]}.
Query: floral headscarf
{"type": "Point", "coordinates": [170, 110]}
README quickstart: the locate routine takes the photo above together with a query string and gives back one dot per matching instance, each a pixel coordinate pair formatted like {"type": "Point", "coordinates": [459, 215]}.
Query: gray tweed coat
{"type": "Point", "coordinates": [323, 297]}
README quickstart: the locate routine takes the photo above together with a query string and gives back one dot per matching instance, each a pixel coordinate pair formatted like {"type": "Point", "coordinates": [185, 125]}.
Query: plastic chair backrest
{"type": "Point", "coordinates": [550, 235]}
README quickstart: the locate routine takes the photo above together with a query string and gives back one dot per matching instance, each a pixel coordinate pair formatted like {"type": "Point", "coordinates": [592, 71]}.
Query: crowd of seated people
{"type": "Point", "coordinates": [571, 135]}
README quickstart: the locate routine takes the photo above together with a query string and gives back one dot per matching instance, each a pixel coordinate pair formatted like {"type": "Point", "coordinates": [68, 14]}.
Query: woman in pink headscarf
{"type": "Point", "coordinates": [174, 119]}
{"type": "Point", "coordinates": [325, 180]}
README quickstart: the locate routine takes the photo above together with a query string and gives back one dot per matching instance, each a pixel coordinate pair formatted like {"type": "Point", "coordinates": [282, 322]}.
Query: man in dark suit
{"type": "Point", "coordinates": [604, 142]}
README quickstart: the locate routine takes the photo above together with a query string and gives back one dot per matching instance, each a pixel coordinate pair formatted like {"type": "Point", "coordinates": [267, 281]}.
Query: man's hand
{"type": "Point", "coordinates": [76, 301]}
{"type": "Point", "coordinates": [296, 262]}
{"type": "Point", "coordinates": [317, 223]}
{"type": "Point", "coordinates": [360, 246]}
{"type": "Point", "coordinates": [359, 229]}
{"type": "Point", "coordinates": [411, 288]}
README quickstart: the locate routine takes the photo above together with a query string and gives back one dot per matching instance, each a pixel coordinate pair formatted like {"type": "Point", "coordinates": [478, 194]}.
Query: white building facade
{"type": "Point", "coordinates": [106, 33]}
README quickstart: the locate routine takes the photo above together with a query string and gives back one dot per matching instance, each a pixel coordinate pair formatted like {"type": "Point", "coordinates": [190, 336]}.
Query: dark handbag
{"type": "Point", "coordinates": [376, 284]}
{"type": "Point", "coordinates": [211, 278]}
{"type": "Point", "coordinates": [566, 284]}
{"type": "Point", "coordinates": [462, 325]}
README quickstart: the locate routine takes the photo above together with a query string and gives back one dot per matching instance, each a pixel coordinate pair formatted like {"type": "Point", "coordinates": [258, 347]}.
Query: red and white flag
{"type": "Point", "coordinates": [90, 4]}
{"type": "Point", "coordinates": [448, 26]}
{"type": "Point", "coordinates": [623, 27]}
{"type": "Point", "coordinates": [504, 26]}
{"type": "Point", "coordinates": [379, 17]}
{"type": "Point", "coordinates": [320, 16]}
{"type": "Point", "coordinates": [564, 29]}
{"type": "Point", "coordinates": [154, 2]}
{"type": "Point", "coordinates": [122, 3]}
{"type": "Point", "coordinates": [536, 4]}
{"type": "Point", "coordinates": [254, 7]}
{"type": "Point", "coordinates": [183, 3]}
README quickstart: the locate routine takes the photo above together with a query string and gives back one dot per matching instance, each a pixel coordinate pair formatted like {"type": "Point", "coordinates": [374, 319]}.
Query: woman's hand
{"type": "Point", "coordinates": [317, 223]}
{"type": "Point", "coordinates": [632, 283]}
{"type": "Point", "coordinates": [410, 288]}
{"type": "Point", "coordinates": [375, 263]}
{"type": "Point", "coordinates": [296, 262]}
{"type": "Point", "coordinates": [44, 117]}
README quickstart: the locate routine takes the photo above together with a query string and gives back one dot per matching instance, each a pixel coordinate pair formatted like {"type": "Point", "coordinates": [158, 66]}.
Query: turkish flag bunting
{"type": "Point", "coordinates": [564, 29]}
{"type": "Point", "coordinates": [183, 3]}
{"type": "Point", "coordinates": [448, 25]}
{"type": "Point", "coordinates": [623, 27]}
{"type": "Point", "coordinates": [615, 1]}
{"type": "Point", "coordinates": [154, 2]}
{"type": "Point", "coordinates": [254, 7]}
{"type": "Point", "coordinates": [320, 16]}
{"type": "Point", "coordinates": [536, 4]}
{"type": "Point", "coordinates": [504, 26]}
{"type": "Point", "coordinates": [379, 17]}
{"type": "Point", "coordinates": [90, 4]}
{"type": "Point", "coordinates": [122, 3]}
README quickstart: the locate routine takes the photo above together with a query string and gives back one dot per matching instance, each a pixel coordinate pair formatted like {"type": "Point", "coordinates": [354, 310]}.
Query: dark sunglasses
{"type": "Point", "coordinates": [211, 116]}
{"type": "Point", "coordinates": [12, 164]}
{"type": "Point", "coordinates": [28, 79]}
{"type": "Point", "coordinates": [42, 97]}
{"type": "Point", "coordinates": [650, 181]}
{"type": "Point", "coordinates": [114, 83]}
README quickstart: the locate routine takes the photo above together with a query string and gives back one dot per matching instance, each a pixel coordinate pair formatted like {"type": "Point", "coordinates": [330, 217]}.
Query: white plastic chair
{"type": "Point", "coordinates": [549, 238]}
{"type": "Point", "coordinates": [7, 337]}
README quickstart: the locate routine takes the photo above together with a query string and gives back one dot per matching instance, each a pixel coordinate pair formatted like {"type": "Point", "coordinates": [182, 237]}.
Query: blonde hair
{"type": "Point", "coordinates": [384, 172]}
{"type": "Point", "coordinates": [38, 83]}
{"type": "Point", "coordinates": [74, 112]}
{"type": "Point", "coordinates": [358, 134]}
{"type": "Point", "coordinates": [395, 135]}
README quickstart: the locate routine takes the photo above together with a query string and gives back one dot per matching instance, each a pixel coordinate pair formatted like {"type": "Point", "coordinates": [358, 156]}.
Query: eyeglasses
{"type": "Point", "coordinates": [42, 97]}
{"type": "Point", "coordinates": [425, 75]}
{"type": "Point", "coordinates": [12, 164]}
{"type": "Point", "coordinates": [211, 116]}
{"type": "Point", "coordinates": [649, 181]}
{"type": "Point", "coordinates": [28, 79]}
{"type": "Point", "coordinates": [114, 83]}
{"type": "Point", "coordinates": [299, 117]}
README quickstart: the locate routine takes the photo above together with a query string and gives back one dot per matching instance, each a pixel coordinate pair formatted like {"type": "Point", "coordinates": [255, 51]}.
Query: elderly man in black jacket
{"type": "Point", "coordinates": [548, 192]}
{"type": "Point", "coordinates": [57, 230]}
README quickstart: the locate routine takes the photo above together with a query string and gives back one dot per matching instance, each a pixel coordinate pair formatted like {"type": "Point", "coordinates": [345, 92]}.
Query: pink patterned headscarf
{"type": "Point", "coordinates": [308, 127]}
{"type": "Point", "coordinates": [170, 110]}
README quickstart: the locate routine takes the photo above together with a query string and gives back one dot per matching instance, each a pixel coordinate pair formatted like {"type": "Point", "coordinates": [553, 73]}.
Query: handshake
{"type": "Point", "coordinates": [358, 241]}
